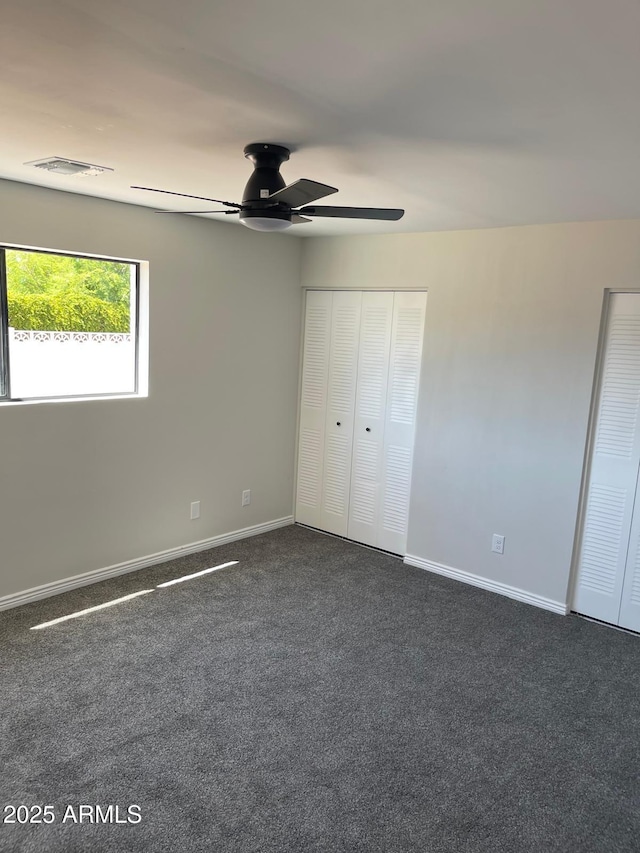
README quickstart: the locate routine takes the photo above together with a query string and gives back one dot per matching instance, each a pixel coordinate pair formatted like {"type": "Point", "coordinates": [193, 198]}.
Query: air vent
{"type": "Point", "coordinates": [63, 166]}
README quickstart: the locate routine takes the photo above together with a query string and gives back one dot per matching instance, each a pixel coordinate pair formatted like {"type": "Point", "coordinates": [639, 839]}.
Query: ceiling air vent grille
{"type": "Point", "coordinates": [64, 166]}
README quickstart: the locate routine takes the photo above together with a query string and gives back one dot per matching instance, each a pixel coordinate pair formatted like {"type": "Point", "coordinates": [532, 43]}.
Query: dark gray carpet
{"type": "Point", "coordinates": [318, 697]}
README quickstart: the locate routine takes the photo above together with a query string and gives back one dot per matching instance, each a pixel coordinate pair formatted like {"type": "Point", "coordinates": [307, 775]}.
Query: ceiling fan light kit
{"type": "Point", "coordinates": [268, 204]}
{"type": "Point", "coordinates": [266, 223]}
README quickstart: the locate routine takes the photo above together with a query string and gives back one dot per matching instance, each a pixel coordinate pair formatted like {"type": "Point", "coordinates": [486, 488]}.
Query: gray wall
{"type": "Point", "coordinates": [85, 485]}
{"type": "Point", "coordinates": [512, 328]}
{"type": "Point", "coordinates": [513, 318]}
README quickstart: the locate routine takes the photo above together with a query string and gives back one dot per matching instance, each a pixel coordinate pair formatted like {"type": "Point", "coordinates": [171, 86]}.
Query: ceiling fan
{"type": "Point", "coordinates": [270, 205]}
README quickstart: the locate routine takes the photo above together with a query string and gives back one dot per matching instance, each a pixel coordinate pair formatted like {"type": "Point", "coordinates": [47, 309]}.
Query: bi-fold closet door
{"type": "Point", "coordinates": [608, 581]}
{"type": "Point", "coordinates": [360, 377]}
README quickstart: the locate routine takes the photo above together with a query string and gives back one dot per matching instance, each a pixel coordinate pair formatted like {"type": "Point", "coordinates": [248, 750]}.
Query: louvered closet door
{"type": "Point", "coordinates": [313, 407]}
{"type": "Point", "coordinates": [369, 421]}
{"type": "Point", "coordinates": [341, 396]}
{"type": "Point", "coordinates": [614, 473]}
{"type": "Point", "coordinates": [405, 358]}
{"type": "Point", "coordinates": [628, 341]}
{"type": "Point", "coordinates": [630, 602]}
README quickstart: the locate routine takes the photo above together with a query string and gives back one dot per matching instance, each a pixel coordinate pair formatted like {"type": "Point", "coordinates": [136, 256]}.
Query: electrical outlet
{"type": "Point", "coordinates": [246, 497]}
{"type": "Point", "coordinates": [195, 510]}
{"type": "Point", "coordinates": [497, 543]}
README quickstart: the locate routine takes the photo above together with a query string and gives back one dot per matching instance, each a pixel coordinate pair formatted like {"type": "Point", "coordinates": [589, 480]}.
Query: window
{"type": "Point", "coordinates": [68, 325]}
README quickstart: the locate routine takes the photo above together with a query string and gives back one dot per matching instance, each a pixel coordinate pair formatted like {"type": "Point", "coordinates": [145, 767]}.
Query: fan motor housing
{"type": "Point", "coordinates": [265, 180]}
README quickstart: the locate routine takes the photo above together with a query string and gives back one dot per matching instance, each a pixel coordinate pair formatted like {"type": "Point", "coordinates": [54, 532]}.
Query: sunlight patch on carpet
{"type": "Point", "coordinates": [79, 613]}
{"type": "Point", "coordinates": [197, 574]}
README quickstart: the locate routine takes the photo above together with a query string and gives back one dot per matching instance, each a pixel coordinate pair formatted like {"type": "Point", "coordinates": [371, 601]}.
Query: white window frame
{"type": "Point", "coordinates": [140, 330]}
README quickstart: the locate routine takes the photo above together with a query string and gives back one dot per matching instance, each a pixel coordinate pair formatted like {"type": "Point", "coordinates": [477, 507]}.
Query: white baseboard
{"type": "Point", "coordinates": [56, 587]}
{"type": "Point", "coordinates": [485, 583]}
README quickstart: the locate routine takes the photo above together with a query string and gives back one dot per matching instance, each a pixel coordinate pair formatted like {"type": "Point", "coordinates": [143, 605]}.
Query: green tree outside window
{"type": "Point", "coordinates": [63, 293]}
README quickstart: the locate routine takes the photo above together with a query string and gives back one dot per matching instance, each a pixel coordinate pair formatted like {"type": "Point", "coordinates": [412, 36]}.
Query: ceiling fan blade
{"type": "Point", "coordinates": [302, 192]}
{"type": "Point", "coordinates": [197, 211]}
{"type": "Point", "coordinates": [296, 219]}
{"type": "Point", "coordinates": [387, 213]}
{"type": "Point", "coordinates": [186, 195]}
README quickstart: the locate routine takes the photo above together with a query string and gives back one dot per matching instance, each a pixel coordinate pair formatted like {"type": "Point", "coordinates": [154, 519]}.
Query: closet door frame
{"type": "Point", "coordinates": [303, 312]}
{"type": "Point", "coordinates": [598, 375]}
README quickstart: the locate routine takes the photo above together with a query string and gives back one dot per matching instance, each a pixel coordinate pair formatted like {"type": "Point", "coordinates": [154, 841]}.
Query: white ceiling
{"type": "Point", "coordinates": [466, 114]}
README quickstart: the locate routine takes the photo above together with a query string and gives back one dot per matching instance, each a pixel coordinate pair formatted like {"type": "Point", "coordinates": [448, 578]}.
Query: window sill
{"type": "Point", "coordinates": [39, 400]}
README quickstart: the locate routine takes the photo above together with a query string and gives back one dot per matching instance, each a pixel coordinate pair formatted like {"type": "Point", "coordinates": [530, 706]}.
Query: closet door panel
{"type": "Point", "coordinates": [630, 604]}
{"type": "Point", "coordinates": [369, 420]}
{"type": "Point", "coordinates": [341, 394]}
{"type": "Point", "coordinates": [313, 407]}
{"type": "Point", "coordinates": [628, 425]}
{"type": "Point", "coordinates": [405, 360]}
{"type": "Point", "coordinates": [614, 470]}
